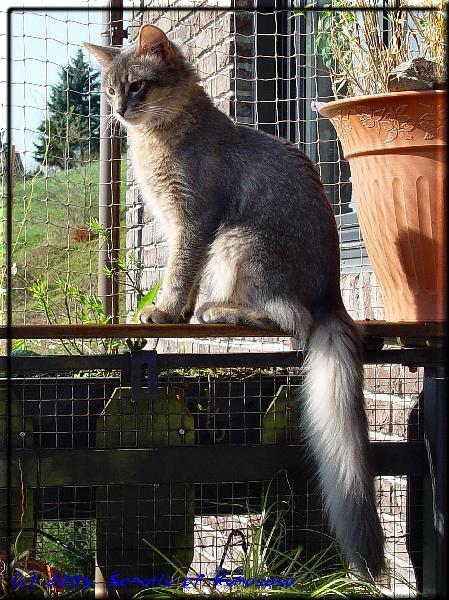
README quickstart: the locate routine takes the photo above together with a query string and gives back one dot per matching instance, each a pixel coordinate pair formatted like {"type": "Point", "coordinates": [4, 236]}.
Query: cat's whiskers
{"type": "Point", "coordinates": [152, 113]}
{"type": "Point", "coordinates": [170, 109]}
{"type": "Point", "coordinates": [150, 106]}
{"type": "Point", "coordinates": [160, 111]}
{"type": "Point", "coordinates": [160, 99]}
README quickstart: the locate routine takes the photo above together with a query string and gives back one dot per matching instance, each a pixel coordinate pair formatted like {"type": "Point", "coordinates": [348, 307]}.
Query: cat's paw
{"type": "Point", "coordinates": [153, 314]}
{"type": "Point", "coordinates": [210, 313]}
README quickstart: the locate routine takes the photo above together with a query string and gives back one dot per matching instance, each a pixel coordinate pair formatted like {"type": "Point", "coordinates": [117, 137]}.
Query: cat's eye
{"type": "Point", "coordinates": [111, 91]}
{"type": "Point", "coordinates": [136, 86]}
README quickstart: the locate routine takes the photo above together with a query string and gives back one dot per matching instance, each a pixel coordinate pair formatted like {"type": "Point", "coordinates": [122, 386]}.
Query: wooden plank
{"type": "Point", "coordinates": [16, 504]}
{"type": "Point", "coordinates": [379, 329]}
{"type": "Point", "coordinates": [145, 420]}
{"type": "Point", "coordinates": [189, 464]}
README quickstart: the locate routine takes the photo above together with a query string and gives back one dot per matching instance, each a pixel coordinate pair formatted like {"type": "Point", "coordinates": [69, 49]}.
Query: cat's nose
{"type": "Point", "coordinates": [120, 112]}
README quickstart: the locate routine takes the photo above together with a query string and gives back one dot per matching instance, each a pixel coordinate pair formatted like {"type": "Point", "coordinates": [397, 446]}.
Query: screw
{"type": "Point", "coordinates": [22, 434]}
{"type": "Point", "coordinates": [181, 431]}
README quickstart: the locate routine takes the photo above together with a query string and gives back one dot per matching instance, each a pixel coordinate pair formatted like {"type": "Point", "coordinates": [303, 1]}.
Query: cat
{"type": "Point", "coordinates": [246, 217]}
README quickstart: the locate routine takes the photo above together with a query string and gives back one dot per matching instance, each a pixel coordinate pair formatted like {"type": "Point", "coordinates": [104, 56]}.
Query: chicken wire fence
{"type": "Point", "coordinates": [85, 521]}
{"type": "Point", "coordinates": [259, 66]}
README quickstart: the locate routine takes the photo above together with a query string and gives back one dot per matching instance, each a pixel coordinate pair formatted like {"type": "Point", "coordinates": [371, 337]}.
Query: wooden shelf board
{"type": "Point", "coordinates": [376, 329]}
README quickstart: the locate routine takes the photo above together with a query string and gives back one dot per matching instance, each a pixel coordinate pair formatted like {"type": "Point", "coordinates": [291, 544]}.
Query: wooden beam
{"type": "Point", "coordinates": [189, 464]}
{"type": "Point", "coordinates": [371, 329]}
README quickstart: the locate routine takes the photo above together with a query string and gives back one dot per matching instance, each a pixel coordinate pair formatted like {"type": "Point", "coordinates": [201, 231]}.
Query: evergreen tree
{"type": "Point", "coordinates": [72, 128]}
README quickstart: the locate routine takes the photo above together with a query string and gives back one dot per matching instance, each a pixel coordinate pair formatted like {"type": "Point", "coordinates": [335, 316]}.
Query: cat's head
{"type": "Point", "coordinates": [146, 83]}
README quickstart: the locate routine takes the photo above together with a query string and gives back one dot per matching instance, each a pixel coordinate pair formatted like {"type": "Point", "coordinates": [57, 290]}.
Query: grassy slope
{"type": "Point", "coordinates": [51, 208]}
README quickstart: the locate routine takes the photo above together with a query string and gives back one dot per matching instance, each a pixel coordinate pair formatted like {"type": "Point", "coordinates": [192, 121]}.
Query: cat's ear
{"type": "Point", "coordinates": [104, 54]}
{"type": "Point", "coordinates": [153, 40]}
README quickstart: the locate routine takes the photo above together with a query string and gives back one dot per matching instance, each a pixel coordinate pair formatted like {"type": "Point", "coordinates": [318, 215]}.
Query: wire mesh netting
{"type": "Point", "coordinates": [75, 520]}
{"type": "Point", "coordinates": [262, 69]}
{"type": "Point", "coordinates": [55, 133]}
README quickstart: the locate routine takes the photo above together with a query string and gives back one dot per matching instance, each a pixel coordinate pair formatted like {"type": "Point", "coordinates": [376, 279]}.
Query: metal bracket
{"type": "Point", "coordinates": [143, 371]}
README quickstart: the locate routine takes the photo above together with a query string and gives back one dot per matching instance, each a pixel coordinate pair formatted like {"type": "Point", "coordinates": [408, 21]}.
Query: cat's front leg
{"type": "Point", "coordinates": [186, 259]}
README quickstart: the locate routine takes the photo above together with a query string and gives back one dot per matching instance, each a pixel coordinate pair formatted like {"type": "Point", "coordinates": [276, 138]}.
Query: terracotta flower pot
{"type": "Point", "coordinates": [395, 144]}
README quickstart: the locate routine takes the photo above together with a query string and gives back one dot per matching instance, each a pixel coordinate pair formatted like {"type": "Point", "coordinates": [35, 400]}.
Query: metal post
{"type": "Point", "coordinates": [435, 481]}
{"type": "Point", "coordinates": [109, 179]}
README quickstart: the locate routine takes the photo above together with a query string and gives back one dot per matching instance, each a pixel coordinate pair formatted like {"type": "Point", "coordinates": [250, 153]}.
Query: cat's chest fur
{"type": "Point", "coordinates": [159, 181]}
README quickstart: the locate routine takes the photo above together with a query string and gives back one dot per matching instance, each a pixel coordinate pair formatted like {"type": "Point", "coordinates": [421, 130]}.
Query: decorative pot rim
{"type": "Point", "coordinates": [326, 107]}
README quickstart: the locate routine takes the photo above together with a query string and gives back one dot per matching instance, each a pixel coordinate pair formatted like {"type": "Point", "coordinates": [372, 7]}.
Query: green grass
{"type": "Point", "coordinates": [48, 206]}
{"type": "Point", "coordinates": [323, 575]}
{"type": "Point", "coordinates": [47, 211]}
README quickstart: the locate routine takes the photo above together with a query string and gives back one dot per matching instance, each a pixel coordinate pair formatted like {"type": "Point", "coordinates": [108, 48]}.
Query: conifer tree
{"type": "Point", "coordinates": [71, 131]}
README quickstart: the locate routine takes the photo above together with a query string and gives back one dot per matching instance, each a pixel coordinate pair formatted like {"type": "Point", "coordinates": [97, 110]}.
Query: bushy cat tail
{"type": "Point", "coordinates": [336, 426]}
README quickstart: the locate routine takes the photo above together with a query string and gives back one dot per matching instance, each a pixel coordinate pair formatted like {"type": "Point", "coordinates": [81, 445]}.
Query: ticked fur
{"type": "Point", "coordinates": [246, 218]}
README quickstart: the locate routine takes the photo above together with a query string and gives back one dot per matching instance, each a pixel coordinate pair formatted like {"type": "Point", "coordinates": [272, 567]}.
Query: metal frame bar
{"type": "Point", "coordinates": [109, 176]}
{"type": "Point", "coordinates": [414, 357]}
{"type": "Point", "coordinates": [435, 573]}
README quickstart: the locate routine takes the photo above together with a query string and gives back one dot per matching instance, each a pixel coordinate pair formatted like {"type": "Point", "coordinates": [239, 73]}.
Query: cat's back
{"type": "Point", "coordinates": [275, 174]}
{"type": "Point", "coordinates": [273, 153]}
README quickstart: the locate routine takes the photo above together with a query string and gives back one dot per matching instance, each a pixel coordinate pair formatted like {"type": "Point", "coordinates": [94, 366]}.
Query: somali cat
{"type": "Point", "coordinates": [246, 218]}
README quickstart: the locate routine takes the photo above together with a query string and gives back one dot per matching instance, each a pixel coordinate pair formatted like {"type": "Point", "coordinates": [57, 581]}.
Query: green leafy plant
{"type": "Point", "coordinates": [79, 307]}
{"type": "Point", "coordinates": [122, 267]}
{"type": "Point", "coordinates": [146, 300]}
{"type": "Point", "coordinates": [61, 301]}
{"type": "Point", "coordinates": [67, 545]}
